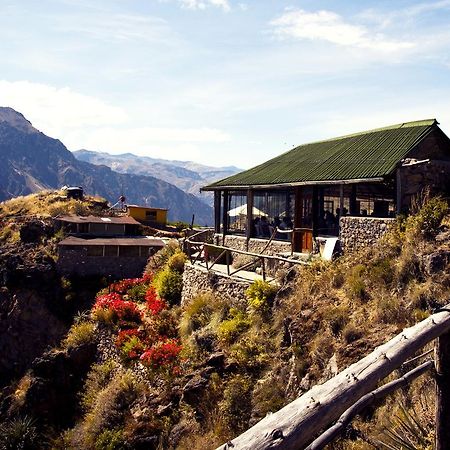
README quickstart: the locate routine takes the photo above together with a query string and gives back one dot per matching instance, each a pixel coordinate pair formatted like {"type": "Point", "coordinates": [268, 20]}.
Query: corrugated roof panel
{"type": "Point", "coordinates": [370, 154]}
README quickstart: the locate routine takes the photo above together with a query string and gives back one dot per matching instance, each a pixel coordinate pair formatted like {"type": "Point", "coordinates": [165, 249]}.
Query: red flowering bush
{"type": "Point", "coordinates": [163, 355]}
{"type": "Point", "coordinates": [154, 303]}
{"type": "Point", "coordinates": [117, 308]}
{"type": "Point", "coordinates": [122, 287]}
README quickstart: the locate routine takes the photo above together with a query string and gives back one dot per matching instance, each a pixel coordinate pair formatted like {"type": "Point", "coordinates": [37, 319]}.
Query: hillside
{"type": "Point", "coordinates": [139, 370]}
{"type": "Point", "coordinates": [186, 175]}
{"type": "Point", "coordinates": [33, 161]}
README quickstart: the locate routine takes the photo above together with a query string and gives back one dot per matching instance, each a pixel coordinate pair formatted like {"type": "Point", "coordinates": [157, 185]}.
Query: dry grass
{"type": "Point", "coordinates": [49, 204]}
{"type": "Point", "coordinates": [79, 334]}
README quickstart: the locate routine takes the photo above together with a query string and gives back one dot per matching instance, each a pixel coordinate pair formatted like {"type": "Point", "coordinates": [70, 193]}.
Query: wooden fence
{"type": "Point", "coordinates": [212, 254]}
{"type": "Point", "coordinates": [321, 414]}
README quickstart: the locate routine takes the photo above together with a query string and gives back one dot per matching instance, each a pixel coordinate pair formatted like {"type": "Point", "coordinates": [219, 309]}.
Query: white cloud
{"type": "Point", "coordinates": [54, 110]}
{"type": "Point", "coordinates": [82, 121]}
{"type": "Point", "coordinates": [203, 4]}
{"type": "Point", "coordinates": [331, 27]}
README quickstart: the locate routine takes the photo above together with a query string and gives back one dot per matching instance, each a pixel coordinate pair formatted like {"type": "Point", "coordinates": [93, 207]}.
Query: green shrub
{"type": "Point", "coordinates": [197, 314]}
{"type": "Point", "coordinates": [19, 434]}
{"type": "Point", "coordinates": [268, 395]}
{"type": "Point", "coordinates": [235, 408]}
{"type": "Point", "coordinates": [390, 310]}
{"type": "Point", "coordinates": [356, 284]}
{"type": "Point", "coordinates": [260, 296]}
{"type": "Point", "coordinates": [160, 258]}
{"type": "Point", "coordinates": [79, 334]}
{"type": "Point", "coordinates": [249, 354]}
{"type": "Point", "coordinates": [381, 270]}
{"type": "Point", "coordinates": [169, 284]}
{"type": "Point", "coordinates": [111, 440]}
{"type": "Point", "coordinates": [231, 328]}
{"type": "Point", "coordinates": [176, 261]}
{"type": "Point", "coordinates": [137, 293]}
{"type": "Point", "coordinates": [110, 407]}
{"type": "Point", "coordinates": [428, 218]}
{"type": "Point", "coordinates": [351, 333]}
{"type": "Point", "coordinates": [337, 317]}
{"type": "Point", "coordinates": [98, 378]}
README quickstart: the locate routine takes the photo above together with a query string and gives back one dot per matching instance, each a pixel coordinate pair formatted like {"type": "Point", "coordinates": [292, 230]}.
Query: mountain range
{"type": "Point", "coordinates": [189, 176]}
{"type": "Point", "coordinates": [32, 161]}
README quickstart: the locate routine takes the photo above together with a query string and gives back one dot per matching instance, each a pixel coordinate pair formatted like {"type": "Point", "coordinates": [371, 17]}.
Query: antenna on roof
{"type": "Point", "coordinates": [122, 198]}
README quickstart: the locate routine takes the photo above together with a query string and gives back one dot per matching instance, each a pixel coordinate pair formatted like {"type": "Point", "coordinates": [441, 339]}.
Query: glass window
{"type": "Point", "coordinates": [129, 250]}
{"type": "Point", "coordinates": [111, 250]}
{"type": "Point", "coordinates": [237, 212]}
{"type": "Point", "coordinates": [150, 216]}
{"type": "Point", "coordinates": [272, 209]}
{"type": "Point", "coordinates": [95, 250]}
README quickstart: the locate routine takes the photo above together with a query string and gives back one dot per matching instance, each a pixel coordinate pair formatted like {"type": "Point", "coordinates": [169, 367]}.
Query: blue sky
{"type": "Point", "coordinates": [222, 82]}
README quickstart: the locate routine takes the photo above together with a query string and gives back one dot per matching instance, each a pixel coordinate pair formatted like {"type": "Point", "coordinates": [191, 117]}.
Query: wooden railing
{"type": "Point", "coordinates": [307, 422]}
{"type": "Point", "coordinates": [198, 251]}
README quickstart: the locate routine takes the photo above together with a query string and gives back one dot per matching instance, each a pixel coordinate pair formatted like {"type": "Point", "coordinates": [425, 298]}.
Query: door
{"type": "Point", "coordinates": [303, 226]}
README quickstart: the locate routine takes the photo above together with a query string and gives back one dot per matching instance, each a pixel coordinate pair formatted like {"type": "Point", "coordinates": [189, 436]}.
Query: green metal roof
{"type": "Point", "coordinates": [367, 155]}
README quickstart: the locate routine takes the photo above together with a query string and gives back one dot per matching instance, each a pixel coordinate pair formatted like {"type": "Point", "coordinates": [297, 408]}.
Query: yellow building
{"type": "Point", "coordinates": [147, 214]}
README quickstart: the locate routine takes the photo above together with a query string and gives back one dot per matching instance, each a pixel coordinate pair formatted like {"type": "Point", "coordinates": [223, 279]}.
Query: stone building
{"type": "Point", "coordinates": [117, 258]}
{"type": "Point", "coordinates": [348, 188]}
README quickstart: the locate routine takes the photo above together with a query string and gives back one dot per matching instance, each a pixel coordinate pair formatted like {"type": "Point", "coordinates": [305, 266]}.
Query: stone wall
{"type": "Point", "coordinates": [255, 245]}
{"type": "Point", "coordinates": [197, 280]}
{"type": "Point", "coordinates": [77, 262]}
{"type": "Point", "coordinates": [359, 232]}
{"type": "Point", "coordinates": [415, 177]}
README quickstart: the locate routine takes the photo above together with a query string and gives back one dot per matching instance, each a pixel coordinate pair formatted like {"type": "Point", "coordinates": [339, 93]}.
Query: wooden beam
{"type": "Point", "coordinates": [336, 430]}
{"type": "Point", "coordinates": [295, 426]}
{"type": "Point", "coordinates": [442, 360]}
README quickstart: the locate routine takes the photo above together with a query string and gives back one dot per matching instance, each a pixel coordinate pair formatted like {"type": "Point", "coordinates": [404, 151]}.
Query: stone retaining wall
{"type": "Point", "coordinates": [255, 245]}
{"type": "Point", "coordinates": [77, 262]}
{"type": "Point", "coordinates": [197, 280]}
{"type": "Point", "coordinates": [359, 232]}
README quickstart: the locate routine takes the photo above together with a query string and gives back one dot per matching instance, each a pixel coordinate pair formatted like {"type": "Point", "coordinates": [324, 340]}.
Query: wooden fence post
{"type": "Point", "coordinates": [442, 361]}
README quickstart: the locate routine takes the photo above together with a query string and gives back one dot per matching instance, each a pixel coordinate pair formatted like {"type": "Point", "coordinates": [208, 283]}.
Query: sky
{"type": "Point", "coordinates": [222, 82]}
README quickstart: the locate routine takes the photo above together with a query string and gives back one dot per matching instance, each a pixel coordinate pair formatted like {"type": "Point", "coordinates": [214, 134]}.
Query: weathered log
{"type": "Point", "coordinates": [442, 358]}
{"type": "Point", "coordinates": [335, 431]}
{"type": "Point", "coordinates": [294, 426]}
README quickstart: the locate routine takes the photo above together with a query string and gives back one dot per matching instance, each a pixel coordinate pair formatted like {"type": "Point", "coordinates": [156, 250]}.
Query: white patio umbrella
{"type": "Point", "coordinates": [242, 211]}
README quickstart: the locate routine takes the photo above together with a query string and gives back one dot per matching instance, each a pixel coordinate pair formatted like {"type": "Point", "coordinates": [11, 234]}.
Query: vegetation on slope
{"type": "Point", "coordinates": [193, 376]}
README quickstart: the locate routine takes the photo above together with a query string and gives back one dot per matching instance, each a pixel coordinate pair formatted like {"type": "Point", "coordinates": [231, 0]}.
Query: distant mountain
{"type": "Point", "coordinates": [32, 161]}
{"type": "Point", "coordinates": [186, 175]}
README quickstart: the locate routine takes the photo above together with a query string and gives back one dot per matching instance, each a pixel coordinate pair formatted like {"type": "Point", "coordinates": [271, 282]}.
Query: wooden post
{"type": "Point", "coordinates": [315, 211]}
{"type": "Point", "coordinates": [353, 205]}
{"type": "Point", "coordinates": [263, 264]}
{"type": "Point", "coordinates": [217, 196]}
{"type": "Point", "coordinates": [442, 362]}
{"type": "Point", "coordinates": [399, 191]}
{"type": "Point", "coordinates": [225, 215]}
{"type": "Point", "coordinates": [248, 231]}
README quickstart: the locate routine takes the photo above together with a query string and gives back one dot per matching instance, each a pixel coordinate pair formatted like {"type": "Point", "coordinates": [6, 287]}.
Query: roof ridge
{"type": "Point", "coordinates": [414, 123]}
